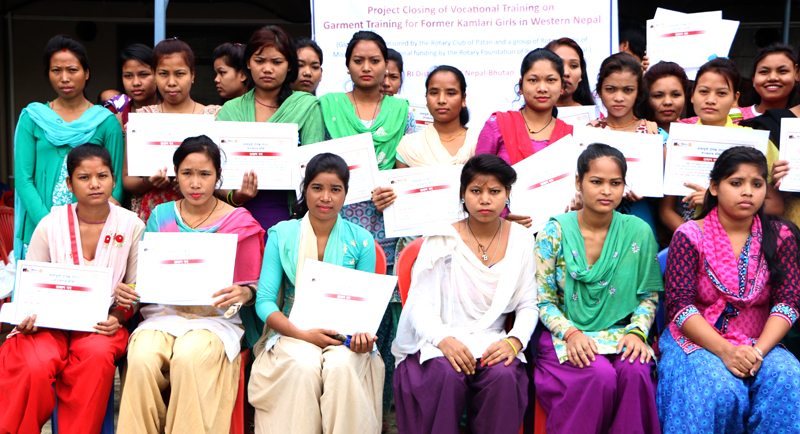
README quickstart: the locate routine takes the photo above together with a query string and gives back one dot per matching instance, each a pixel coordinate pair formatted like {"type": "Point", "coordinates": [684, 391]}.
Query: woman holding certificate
{"type": "Point", "coordinates": [598, 282]}
{"type": "Point", "coordinates": [732, 294]}
{"type": "Point", "coordinates": [79, 364]}
{"type": "Point", "coordinates": [46, 133]}
{"type": "Point", "coordinates": [305, 381]}
{"type": "Point", "coordinates": [194, 350]}
{"type": "Point", "coordinates": [173, 61]}
{"type": "Point", "coordinates": [451, 342]}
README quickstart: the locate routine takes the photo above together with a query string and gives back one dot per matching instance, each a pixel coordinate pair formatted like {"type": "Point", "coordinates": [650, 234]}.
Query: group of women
{"type": "Point", "coordinates": [576, 304]}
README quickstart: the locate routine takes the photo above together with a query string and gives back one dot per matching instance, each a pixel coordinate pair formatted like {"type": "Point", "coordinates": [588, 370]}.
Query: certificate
{"type": "Point", "coordinates": [689, 40]}
{"type": "Point", "coordinates": [266, 148]}
{"type": "Point", "coordinates": [545, 182]}
{"type": "Point", "coordinates": [644, 155]}
{"type": "Point", "coordinates": [152, 138]}
{"type": "Point", "coordinates": [66, 297]}
{"type": "Point", "coordinates": [578, 116]}
{"type": "Point", "coordinates": [693, 149]}
{"type": "Point", "coordinates": [357, 151]}
{"type": "Point", "coordinates": [426, 196]}
{"type": "Point", "coordinates": [184, 268]}
{"type": "Point", "coordinates": [341, 299]}
{"type": "Point", "coordinates": [422, 117]}
{"type": "Point", "coordinates": [790, 151]}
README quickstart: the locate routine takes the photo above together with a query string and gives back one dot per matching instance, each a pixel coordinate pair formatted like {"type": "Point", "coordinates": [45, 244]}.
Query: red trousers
{"type": "Point", "coordinates": [80, 364]}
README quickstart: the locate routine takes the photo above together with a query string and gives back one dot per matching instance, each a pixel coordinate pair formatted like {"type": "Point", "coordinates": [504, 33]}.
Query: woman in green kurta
{"type": "Point", "coordinates": [272, 64]}
{"type": "Point", "coordinates": [47, 132]}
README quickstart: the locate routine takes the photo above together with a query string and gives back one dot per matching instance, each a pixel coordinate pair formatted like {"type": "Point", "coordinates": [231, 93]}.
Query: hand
{"type": "Point", "coordinates": [110, 326]}
{"type": "Point", "coordinates": [382, 197]}
{"type": "Point", "coordinates": [26, 327]}
{"type": "Point", "coordinates": [580, 349]}
{"type": "Point", "coordinates": [232, 295]}
{"type": "Point", "coordinates": [694, 199]}
{"type": "Point", "coordinates": [159, 180]}
{"type": "Point", "coordinates": [779, 169]}
{"type": "Point", "coordinates": [645, 62]}
{"type": "Point", "coordinates": [741, 360]}
{"type": "Point", "coordinates": [633, 347]}
{"type": "Point", "coordinates": [501, 350]}
{"type": "Point", "coordinates": [520, 219]}
{"type": "Point", "coordinates": [631, 196]}
{"type": "Point", "coordinates": [362, 342]}
{"type": "Point", "coordinates": [458, 355]}
{"type": "Point", "coordinates": [320, 337]}
{"type": "Point", "coordinates": [125, 295]}
{"type": "Point", "coordinates": [756, 367]}
{"type": "Point", "coordinates": [249, 188]}
{"type": "Point", "coordinates": [576, 203]}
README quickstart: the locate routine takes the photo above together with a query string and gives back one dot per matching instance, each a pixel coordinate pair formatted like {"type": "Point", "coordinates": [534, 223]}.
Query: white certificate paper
{"type": "Point", "coordinates": [266, 148]}
{"type": "Point", "coordinates": [426, 196]}
{"type": "Point", "coordinates": [693, 149]}
{"type": "Point", "coordinates": [790, 151]}
{"type": "Point", "coordinates": [341, 299]}
{"type": "Point", "coordinates": [357, 151]}
{"type": "Point", "coordinates": [689, 40]}
{"type": "Point", "coordinates": [184, 268]}
{"type": "Point", "coordinates": [644, 155]}
{"type": "Point", "coordinates": [66, 297]}
{"type": "Point", "coordinates": [152, 138]}
{"type": "Point", "coordinates": [578, 116]}
{"type": "Point", "coordinates": [545, 182]}
{"type": "Point", "coordinates": [422, 117]}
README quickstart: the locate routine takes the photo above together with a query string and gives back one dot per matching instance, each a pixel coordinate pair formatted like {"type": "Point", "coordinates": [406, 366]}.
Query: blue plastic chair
{"type": "Point", "coordinates": [108, 420]}
{"type": "Point", "coordinates": [660, 313]}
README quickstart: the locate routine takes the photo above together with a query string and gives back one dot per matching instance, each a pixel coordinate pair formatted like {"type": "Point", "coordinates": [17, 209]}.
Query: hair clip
{"type": "Point", "coordinates": [174, 38]}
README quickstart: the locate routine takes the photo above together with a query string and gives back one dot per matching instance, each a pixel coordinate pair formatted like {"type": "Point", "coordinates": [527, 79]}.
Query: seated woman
{"type": "Point", "coordinates": [732, 279]}
{"type": "Point", "coordinates": [451, 347]}
{"type": "Point", "coordinates": [192, 349]}
{"type": "Point", "coordinates": [598, 302]}
{"type": "Point", "coordinates": [304, 381]}
{"type": "Point", "coordinates": [80, 364]}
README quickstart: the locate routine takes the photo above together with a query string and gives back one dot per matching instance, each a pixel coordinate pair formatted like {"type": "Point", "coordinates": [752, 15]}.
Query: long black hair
{"type": "Point", "coordinates": [542, 54]}
{"type": "Point", "coordinates": [366, 35]}
{"type": "Point", "coordinates": [274, 36]}
{"type": "Point", "coordinates": [726, 165]}
{"type": "Point", "coordinates": [203, 145]}
{"type": "Point", "coordinates": [599, 150]}
{"type": "Point", "coordinates": [583, 93]}
{"type": "Point", "coordinates": [483, 165]}
{"type": "Point", "coordinates": [321, 163]}
{"type": "Point", "coordinates": [463, 115]}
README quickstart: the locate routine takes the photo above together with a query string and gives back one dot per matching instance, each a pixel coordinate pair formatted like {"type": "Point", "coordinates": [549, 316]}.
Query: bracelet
{"type": "Point", "coordinates": [146, 181]}
{"type": "Point", "coordinates": [637, 332]}
{"type": "Point", "coordinates": [132, 285]}
{"type": "Point", "coordinates": [759, 351]}
{"type": "Point", "coordinates": [252, 295]}
{"type": "Point", "coordinates": [230, 200]}
{"type": "Point", "coordinates": [566, 339]}
{"type": "Point", "coordinates": [512, 346]}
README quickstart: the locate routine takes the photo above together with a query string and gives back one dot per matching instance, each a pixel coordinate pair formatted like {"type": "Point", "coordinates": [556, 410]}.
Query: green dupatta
{"type": "Point", "coordinates": [301, 108]}
{"type": "Point", "coordinates": [597, 297]}
{"type": "Point", "coordinates": [387, 130]}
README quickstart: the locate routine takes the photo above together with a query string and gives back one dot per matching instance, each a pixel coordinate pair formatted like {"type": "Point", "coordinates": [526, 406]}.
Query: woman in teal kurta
{"type": "Point", "coordinates": [47, 132]}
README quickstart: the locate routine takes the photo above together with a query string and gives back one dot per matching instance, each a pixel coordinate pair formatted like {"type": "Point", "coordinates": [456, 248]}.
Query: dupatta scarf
{"type": "Point", "coordinates": [425, 148]}
{"type": "Point", "coordinates": [515, 134]}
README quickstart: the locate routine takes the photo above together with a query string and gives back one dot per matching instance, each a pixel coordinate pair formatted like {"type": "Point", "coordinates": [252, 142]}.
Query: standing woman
{"type": "Point", "coordinates": [139, 84]}
{"type": "Point", "coordinates": [309, 64]}
{"type": "Point", "coordinates": [304, 381]}
{"type": "Point", "coordinates": [598, 284]}
{"type": "Point", "coordinates": [79, 365]}
{"type": "Point", "coordinates": [194, 350]}
{"type": "Point", "coordinates": [732, 294]}
{"type": "Point", "coordinates": [46, 133]}
{"type": "Point", "coordinates": [576, 80]}
{"type": "Point", "coordinates": [173, 60]}
{"type": "Point", "coordinates": [272, 65]}
{"type": "Point", "coordinates": [393, 81]}
{"type": "Point", "coordinates": [231, 79]}
{"type": "Point", "coordinates": [366, 110]}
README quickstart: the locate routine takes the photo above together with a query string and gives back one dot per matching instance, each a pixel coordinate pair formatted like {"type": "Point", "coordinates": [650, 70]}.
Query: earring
{"type": "Point", "coordinates": [507, 202]}
{"type": "Point", "coordinates": [462, 200]}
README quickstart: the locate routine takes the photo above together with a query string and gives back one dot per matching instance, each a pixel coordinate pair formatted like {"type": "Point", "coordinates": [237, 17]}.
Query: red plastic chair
{"type": "Point", "coordinates": [8, 198]}
{"type": "Point", "coordinates": [7, 226]}
{"type": "Point", "coordinates": [380, 259]}
{"type": "Point", "coordinates": [238, 420]}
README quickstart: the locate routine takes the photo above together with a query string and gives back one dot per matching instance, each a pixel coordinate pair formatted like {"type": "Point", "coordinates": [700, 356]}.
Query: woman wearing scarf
{"type": "Point", "coordinates": [451, 346]}
{"type": "Point", "coordinates": [80, 365]}
{"type": "Point", "coordinates": [598, 281]}
{"type": "Point", "coordinates": [46, 133]}
{"type": "Point", "coordinates": [304, 381]}
{"type": "Point", "coordinates": [194, 350]}
{"type": "Point", "coordinates": [732, 294]}
{"type": "Point", "coordinates": [271, 60]}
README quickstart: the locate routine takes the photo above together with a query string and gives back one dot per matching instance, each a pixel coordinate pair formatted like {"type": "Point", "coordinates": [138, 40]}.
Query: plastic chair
{"type": "Point", "coordinates": [108, 420]}
{"type": "Point", "coordinates": [7, 226]}
{"type": "Point", "coordinates": [238, 422]}
{"type": "Point", "coordinates": [8, 198]}
{"type": "Point", "coordinates": [380, 259]}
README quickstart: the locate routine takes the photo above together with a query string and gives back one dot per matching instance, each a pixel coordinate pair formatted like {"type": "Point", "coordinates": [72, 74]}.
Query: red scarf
{"type": "Point", "coordinates": [515, 134]}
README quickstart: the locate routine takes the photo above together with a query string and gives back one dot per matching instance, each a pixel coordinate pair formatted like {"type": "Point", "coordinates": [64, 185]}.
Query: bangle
{"type": "Point", "coordinates": [230, 200]}
{"type": "Point", "coordinates": [146, 181]}
{"type": "Point", "coordinates": [637, 332]}
{"type": "Point", "coordinates": [759, 351]}
{"type": "Point", "coordinates": [252, 295]}
{"type": "Point", "coordinates": [566, 339]}
{"type": "Point", "coordinates": [512, 346]}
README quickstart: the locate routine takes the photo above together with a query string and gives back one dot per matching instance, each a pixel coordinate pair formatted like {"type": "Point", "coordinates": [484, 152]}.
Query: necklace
{"type": "Point", "coordinates": [204, 218]}
{"type": "Point", "coordinates": [88, 223]}
{"type": "Point", "coordinates": [463, 130]}
{"type": "Point", "coordinates": [480, 246]}
{"type": "Point", "coordinates": [623, 126]}
{"type": "Point", "coordinates": [380, 99]}
{"type": "Point", "coordinates": [265, 105]}
{"type": "Point", "coordinates": [193, 107]}
{"type": "Point", "coordinates": [536, 132]}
